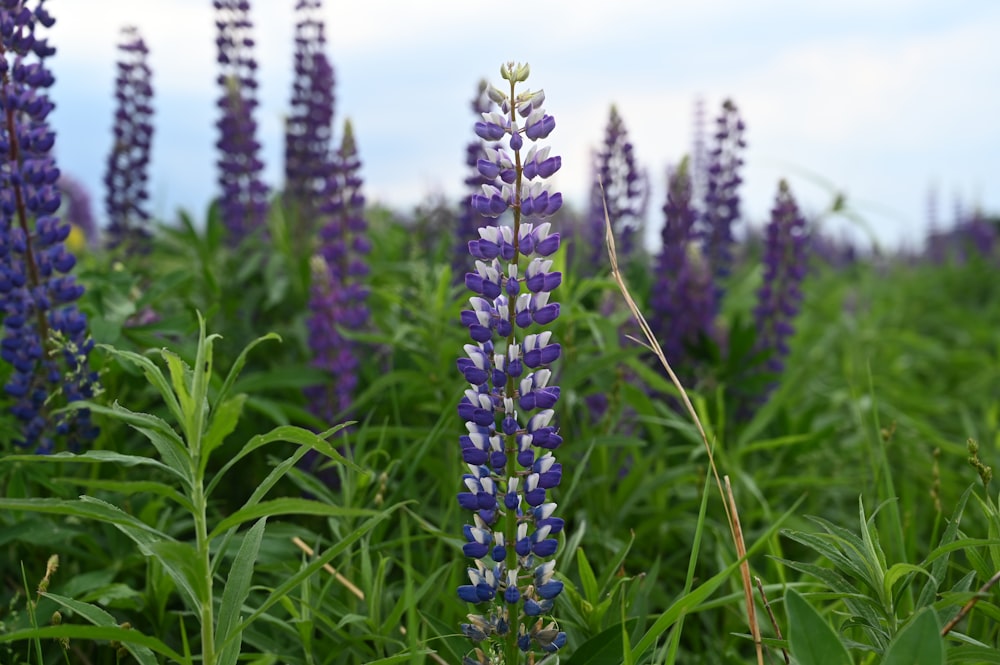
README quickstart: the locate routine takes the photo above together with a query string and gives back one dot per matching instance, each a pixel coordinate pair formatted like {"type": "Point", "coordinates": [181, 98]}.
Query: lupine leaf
{"type": "Point", "coordinates": [919, 643]}
{"type": "Point", "coordinates": [811, 639]}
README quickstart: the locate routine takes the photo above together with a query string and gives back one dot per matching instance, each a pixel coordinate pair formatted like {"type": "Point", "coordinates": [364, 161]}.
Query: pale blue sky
{"type": "Point", "coordinates": [883, 98]}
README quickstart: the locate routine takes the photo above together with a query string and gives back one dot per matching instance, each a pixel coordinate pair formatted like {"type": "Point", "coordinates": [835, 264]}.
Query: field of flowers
{"type": "Point", "coordinates": [306, 430]}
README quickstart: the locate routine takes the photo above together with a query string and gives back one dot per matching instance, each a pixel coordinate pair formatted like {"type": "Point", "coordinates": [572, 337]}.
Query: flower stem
{"type": "Point", "coordinates": [511, 651]}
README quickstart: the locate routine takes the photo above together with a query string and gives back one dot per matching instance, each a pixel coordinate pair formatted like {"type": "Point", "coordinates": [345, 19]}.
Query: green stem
{"type": "Point", "coordinates": [205, 568]}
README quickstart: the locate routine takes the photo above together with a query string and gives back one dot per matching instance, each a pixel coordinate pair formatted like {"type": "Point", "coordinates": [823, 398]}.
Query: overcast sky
{"type": "Point", "coordinates": [883, 99]}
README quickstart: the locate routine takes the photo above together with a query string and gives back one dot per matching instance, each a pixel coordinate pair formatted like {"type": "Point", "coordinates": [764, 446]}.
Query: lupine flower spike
{"type": "Point", "coordinates": [45, 336]}
{"type": "Point", "coordinates": [722, 198]}
{"type": "Point", "coordinates": [780, 294]}
{"type": "Point", "coordinates": [338, 292]}
{"type": "Point", "coordinates": [125, 180]}
{"type": "Point", "coordinates": [682, 298]}
{"type": "Point", "coordinates": [243, 199]}
{"type": "Point", "coordinates": [508, 406]}
{"type": "Point", "coordinates": [620, 185]}
{"type": "Point", "coordinates": [309, 128]}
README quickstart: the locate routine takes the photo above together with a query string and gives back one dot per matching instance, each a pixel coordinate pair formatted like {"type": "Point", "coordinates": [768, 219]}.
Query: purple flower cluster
{"type": "Point", "coordinates": [508, 406]}
{"type": "Point", "coordinates": [469, 220]}
{"type": "Point", "coordinates": [682, 299]}
{"type": "Point", "coordinates": [309, 128]}
{"type": "Point", "coordinates": [624, 192]}
{"type": "Point", "coordinates": [722, 199]}
{"type": "Point", "coordinates": [780, 294]}
{"type": "Point", "coordinates": [243, 203]}
{"type": "Point", "coordinates": [126, 177]}
{"type": "Point", "coordinates": [45, 336]}
{"type": "Point", "coordinates": [338, 293]}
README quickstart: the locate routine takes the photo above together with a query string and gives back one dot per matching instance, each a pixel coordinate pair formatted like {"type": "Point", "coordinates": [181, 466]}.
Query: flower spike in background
{"type": "Point", "coordinates": [507, 408]}
{"type": "Point", "coordinates": [243, 197]}
{"type": "Point", "coordinates": [126, 178]}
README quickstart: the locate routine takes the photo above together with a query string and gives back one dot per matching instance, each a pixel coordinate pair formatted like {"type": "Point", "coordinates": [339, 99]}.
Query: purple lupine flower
{"type": "Point", "coordinates": [624, 192]}
{"type": "Point", "coordinates": [508, 406]}
{"type": "Point", "coordinates": [309, 128]}
{"type": "Point", "coordinates": [469, 220]}
{"type": "Point", "coordinates": [780, 294]}
{"type": "Point", "coordinates": [338, 293]}
{"type": "Point", "coordinates": [243, 200]}
{"type": "Point", "coordinates": [45, 336]}
{"type": "Point", "coordinates": [126, 178]}
{"type": "Point", "coordinates": [682, 300]}
{"type": "Point", "coordinates": [722, 199]}
{"type": "Point", "coordinates": [76, 208]}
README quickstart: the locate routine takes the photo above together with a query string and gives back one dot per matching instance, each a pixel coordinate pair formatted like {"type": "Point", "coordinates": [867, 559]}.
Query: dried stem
{"type": "Point", "coordinates": [774, 622]}
{"type": "Point", "coordinates": [654, 346]}
{"type": "Point", "coordinates": [972, 602]}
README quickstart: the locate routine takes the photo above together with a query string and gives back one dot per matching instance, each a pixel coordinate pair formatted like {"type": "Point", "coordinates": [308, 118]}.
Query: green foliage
{"type": "Point", "coordinates": [179, 521]}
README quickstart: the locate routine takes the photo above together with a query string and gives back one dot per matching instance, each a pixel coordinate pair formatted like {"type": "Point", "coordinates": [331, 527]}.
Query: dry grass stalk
{"type": "Point", "coordinates": [652, 344]}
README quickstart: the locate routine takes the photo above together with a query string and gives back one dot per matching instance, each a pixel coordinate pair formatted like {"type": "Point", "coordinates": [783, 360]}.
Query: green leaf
{"type": "Point", "coordinates": [129, 487]}
{"type": "Point", "coordinates": [99, 617]}
{"type": "Point", "coordinates": [163, 437]}
{"type": "Point", "coordinates": [315, 565]}
{"type": "Point", "coordinates": [897, 571]}
{"type": "Point", "coordinates": [224, 420]}
{"type": "Point", "coordinates": [605, 648]}
{"type": "Point", "coordinates": [153, 375]}
{"type": "Point", "coordinates": [179, 379]}
{"type": "Point", "coordinates": [74, 631]}
{"type": "Point", "coordinates": [287, 506]}
{"type": "Point", "coordinates": [235, 594]}
{"type": "Point", "coordinates": [811, 639]}
{"type": "Point", "coordinates": [919, 643]}
{"type": "Point", "coordinates": [180, 562]}
{"type": "Point", "coordinates": [234, 371]}
{"type": "Point", "coordinates": [289, 434]}
{"type": "Point", "coordinates": [587, 579]}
